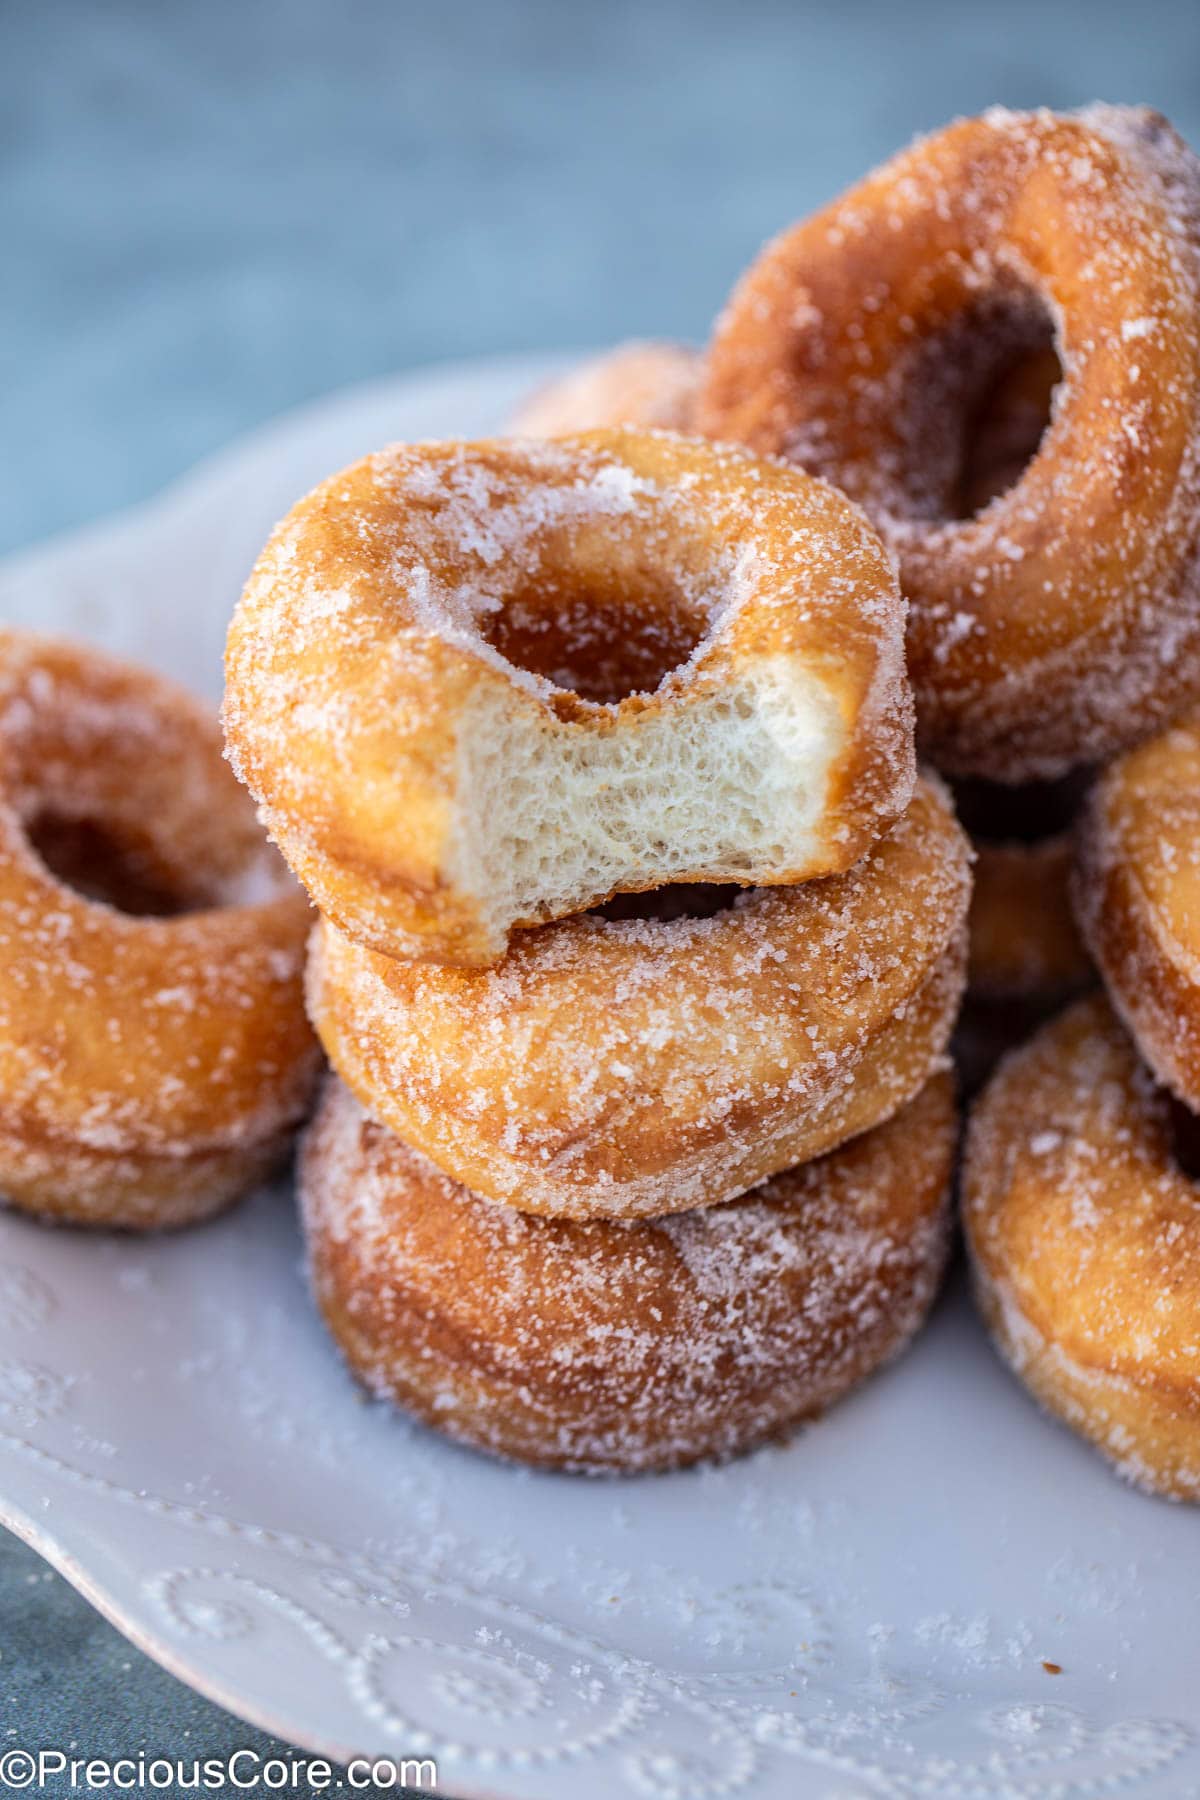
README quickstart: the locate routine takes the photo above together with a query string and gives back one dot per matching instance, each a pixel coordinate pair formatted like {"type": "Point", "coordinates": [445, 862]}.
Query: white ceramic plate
{"type": "Point", "coordinates": [863, 1612]}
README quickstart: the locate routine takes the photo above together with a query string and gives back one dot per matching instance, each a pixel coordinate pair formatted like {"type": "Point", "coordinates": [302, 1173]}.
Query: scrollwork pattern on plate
{"type": "Point", "coordinates": [26, 1301]}
{"type": "Point", "coordinates": [528, 1667]}
{"type": "Point", "coordinates": [441, 1666]}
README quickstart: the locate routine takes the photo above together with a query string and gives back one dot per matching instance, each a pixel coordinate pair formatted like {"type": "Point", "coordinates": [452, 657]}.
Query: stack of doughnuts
{"type": "Point", "coordinates": [992, 344]}
{"type": "Point", "coordinates": [641, 939]}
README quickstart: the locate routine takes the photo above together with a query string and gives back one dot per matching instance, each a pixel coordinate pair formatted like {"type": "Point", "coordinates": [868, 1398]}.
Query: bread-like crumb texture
{"type": "Point", "coordinates": [476, 687]}
{"type": "Point", "coordinates": [1084, 1235]}
{"type": "Point", "coordinates": [619, 1347]}
{"type": "Point", "coordinates": [623, 1067]}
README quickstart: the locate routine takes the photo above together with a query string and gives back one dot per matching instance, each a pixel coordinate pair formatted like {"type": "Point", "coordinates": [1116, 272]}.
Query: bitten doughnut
{"type": "Point", "coordinates": [625, 1066]}
{"type": "Point", "coordinates": [1084, 1234]}
{"type": "Point", "coordinates": [479, 686]}
{"type": "Point", "coordinates": [1062, 621]}
{"type": "Point", "coordinates": [154, 1053]}
{"type": "Point", "coordinates": [609, 1347]}
{"type": "Point", "coordinates": [1137, 894]}
{"type": "Point", "coordinates": [635, 384]}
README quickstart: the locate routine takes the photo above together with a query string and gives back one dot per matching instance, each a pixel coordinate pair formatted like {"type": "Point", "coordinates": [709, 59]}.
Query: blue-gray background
{"type": "Point", "coordinates": [214, 211]}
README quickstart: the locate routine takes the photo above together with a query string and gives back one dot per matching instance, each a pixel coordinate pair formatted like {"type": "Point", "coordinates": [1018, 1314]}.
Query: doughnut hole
{"type": "Point", "coordinates": [666, 906]}
{"type": "Point", "coordinates": [1184, 1131]}
{"type": "Point", "coordinates": [595, 619]}
{"type": "Point", "coordinates": [1027, 814]}
{"type": "Point", "coordinates": [1026, 956]}
{"type": "Point", "coordinates": [977, 400]}
{"type": "Point", "coordinates": [121, 793]}
{"type": "Point", "coordinates": [112, 865]}
{"type": "Point", "coordinates": [607, 615]}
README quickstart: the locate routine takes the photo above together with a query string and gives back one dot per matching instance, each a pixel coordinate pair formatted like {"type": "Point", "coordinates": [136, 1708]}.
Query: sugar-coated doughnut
{"type": "Point", "coordinates": [1024, 942]}
{"type": "Point", "coordinates": [621, 1067]}
{"type": "Point", "coordinates": [154, 1052]}
{"type": "Point", "coordinates": [1137, 895]}
{"type": "Point", "coordinates": [1084, 1235]}
{"type": "Point", "coordinates": [482, 686]}
{"type": "Point", "coordinates": [636, 384]}
{"type": "Point", "coordinates": [612, 1347]}
{"type": "Point", "coordinates": [1026, 957]}
{"type": "Point", "coordinates": [1062, 621]}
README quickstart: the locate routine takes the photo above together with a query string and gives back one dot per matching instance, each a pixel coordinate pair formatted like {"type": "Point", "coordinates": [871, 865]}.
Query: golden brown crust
{"type": "Point", "coordinates": [1026, 957]}
{"type": "Point", "coordinates": [624, 1067]}
{"type": "Point", "coordinates": [1084, 1236]}
{"type": "Point", "coordinates": [71, 1183]}
{"type": "Point", "coordinates": [1024, 941]}
{"type": "Point", "coordinates": [1137, 895]}
{"type": "Point", "coordinates": [150, 1066]}
{"type": "Point", "coordinates": [1061, 622]}
{"type": "Point", "coordinates": [357, 665]}
{"type": "Point", "coordinates": [637, 384]}
{"type": "Point", "coordinates": [616, 1347]}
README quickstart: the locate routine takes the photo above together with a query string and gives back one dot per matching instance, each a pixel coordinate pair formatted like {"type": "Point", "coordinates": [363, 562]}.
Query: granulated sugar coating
{"type": "Point", "coordinates": [154, 1058]}
{"type": "Point", "coordinates": [618, 1347]}
{"type": "Point", "coordinates": [1061, 622]}
{"type": "Point", "coordinates": [1137, 893]}
{"type": "Point", "coordinates": [1084, 1234]}
{"type": "Point", "coordinates": [625, 1067]}
{"type": "Point", "coordinates": [480, 686]}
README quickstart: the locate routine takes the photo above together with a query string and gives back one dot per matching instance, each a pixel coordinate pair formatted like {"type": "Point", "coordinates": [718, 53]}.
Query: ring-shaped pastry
{"type": "Point", "coordinates": [1137, 896]}
{"type": "Point", "coordinates": [1025, 945]}
{"type": "Point", "coordinates": [622, 1067]}
{"type": "Point", "coordinates": [477, 687]}
{"type": "Point", "coordinates": [1062, 621]}
{"type": "Point", "coordinates": [154, 1053]}
{"type": "Point", "coordinates": [1084, 1234]}
{"type": "Point", "coordinates": [611, 1348]}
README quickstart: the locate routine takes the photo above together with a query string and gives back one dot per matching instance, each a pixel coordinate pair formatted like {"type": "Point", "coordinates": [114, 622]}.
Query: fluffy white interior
{"type": "Point", "coordinates": [727, 785]}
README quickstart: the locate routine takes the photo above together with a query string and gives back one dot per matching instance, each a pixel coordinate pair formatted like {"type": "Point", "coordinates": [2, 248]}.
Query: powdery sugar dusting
{"type": "Point", "coordinates": [126, 1037]}
{"type": "Point", "coordinates": [380, 618]}
{"type": "Point", "coordinates": [610, 1347]}
{"type": "Point", "coordinates": [1082, 581]}
{"type": "Point", "coordinates": [638, 1065]}
{"type": "Point", "coordinates": [1085, 1237]}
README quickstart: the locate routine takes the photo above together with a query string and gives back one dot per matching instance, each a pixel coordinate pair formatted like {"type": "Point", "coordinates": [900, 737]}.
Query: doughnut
{"type": "Point", "coordinates": [636, 384]}
{"type": "Point", "coordinates": [1061, 621]}
{"type": "Point", "coordinates": [1025, 955]}
{"type": "Point", "coordinates": [1136, 890]}
{"type": "Point", "coordinates": [154, 1051]}
{"type": "Point", "coordinates": [481, 686]}
{"type": "Point", "coordinates": [1024, 943]}
{"type": "Point", "coordinates": [1084, 1235]}
{"type": "Point", "coordinates": [609, 1347]}
{"type": "Point", "coordinates": [623, 1066]}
